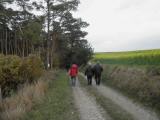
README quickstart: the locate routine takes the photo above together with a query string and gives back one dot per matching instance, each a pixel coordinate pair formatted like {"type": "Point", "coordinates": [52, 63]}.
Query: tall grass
{"type": "Point", "coordinates": [141, 84]}
{"type": "Point", "coordinates": [16, 106]}
{"type": "Point", "coordinates": [144, 57]}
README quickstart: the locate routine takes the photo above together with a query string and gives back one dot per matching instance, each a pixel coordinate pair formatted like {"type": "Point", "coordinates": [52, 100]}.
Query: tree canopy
{"type": "Point", "coordinates": [56, 35]}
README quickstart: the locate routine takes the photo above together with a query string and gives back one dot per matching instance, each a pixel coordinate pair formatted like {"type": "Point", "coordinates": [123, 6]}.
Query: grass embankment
{"type": "Point", "coordinates": [58, 103]}
{"type": "Point", "coordinates": [143, 57]}
{"type": "Point", "coordinates": [115, 111]}
{"type": "Point", "coordinates": [140, 84]}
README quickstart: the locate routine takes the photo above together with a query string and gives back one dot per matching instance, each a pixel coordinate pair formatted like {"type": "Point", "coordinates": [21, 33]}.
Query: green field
{"type": "Point", "coordinates": [142, 57]}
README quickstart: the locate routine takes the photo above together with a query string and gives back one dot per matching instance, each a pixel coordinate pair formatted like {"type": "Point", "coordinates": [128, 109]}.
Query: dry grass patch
{"type": "Point", "coordinates": [138, 83]}
{"type": "Point", "coordinates": [13, 108]}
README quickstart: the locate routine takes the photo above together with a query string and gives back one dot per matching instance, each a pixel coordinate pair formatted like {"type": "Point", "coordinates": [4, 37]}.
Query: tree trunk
{"type": "Point", "coordinates": [23, 47]}
{"type": "Point", "coordinates": [48, 35]}
{"type": "Point", "coordinates": [0, 95]}
{"type": "Point", "coordinates": [6, 42]}
{"type": "Point", "coordinates": [15, 44]}
{"type": "Point", "coordinates": [2, 34]}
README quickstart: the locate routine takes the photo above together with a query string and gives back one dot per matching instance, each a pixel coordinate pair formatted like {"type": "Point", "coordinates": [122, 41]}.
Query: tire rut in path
{"type": "Point", "coordinates": [87, 106]}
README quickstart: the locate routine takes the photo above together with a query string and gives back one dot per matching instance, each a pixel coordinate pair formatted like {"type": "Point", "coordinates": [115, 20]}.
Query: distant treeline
{"type": "Point", "coordinates": [143, 57]}
{"type": "Point", "coordinates": [55, 35]}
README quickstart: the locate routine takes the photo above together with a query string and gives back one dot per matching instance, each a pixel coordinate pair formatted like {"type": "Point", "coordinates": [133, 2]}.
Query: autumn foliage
{"type": "Point", "coordinates": [15, 71]}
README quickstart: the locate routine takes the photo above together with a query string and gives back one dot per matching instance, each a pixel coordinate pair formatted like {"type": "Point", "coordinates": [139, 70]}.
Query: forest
{"type": "Point", "coordinates": [46, 28]}
{"type": "Point", "coordinates": [38, 35]}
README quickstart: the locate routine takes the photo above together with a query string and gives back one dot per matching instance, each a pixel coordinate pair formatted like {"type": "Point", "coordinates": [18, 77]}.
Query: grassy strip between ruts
{"type": "Point", "coordinates": [115, 111]}
{"type": "Point", "coordinates": [58, 103]}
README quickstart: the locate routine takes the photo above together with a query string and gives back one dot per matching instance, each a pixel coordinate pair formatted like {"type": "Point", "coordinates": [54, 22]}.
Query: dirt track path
{"type": "Point", "coordinates": [137, 111]}
{"type": "Point", "coordinates": [87, 106]}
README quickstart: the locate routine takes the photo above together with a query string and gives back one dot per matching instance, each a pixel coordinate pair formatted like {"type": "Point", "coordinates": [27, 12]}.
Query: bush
{"type": "Point", "coordinates": [15, 71]}
{"type": "Point", "coordinates": [31, 68]}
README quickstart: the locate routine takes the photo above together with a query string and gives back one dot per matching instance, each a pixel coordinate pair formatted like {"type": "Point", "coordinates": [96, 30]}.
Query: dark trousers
{"type": "Point", "coordinates": [89, 78]}
{"type": "Point", "coordinates": [98, 79]}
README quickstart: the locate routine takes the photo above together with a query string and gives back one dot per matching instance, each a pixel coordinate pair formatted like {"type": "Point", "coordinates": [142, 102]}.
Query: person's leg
{"type": "Point", "coordinates": [96, 78]}
{"type": "Point", "coordinates": [72, 78]}
{"type": "Point", "coordinates": [99, 79]}
{"type": "Point", "coordinates": [88, 79]}
{"type": "Point", "coordinates": [74, 81]}
{"type": "Point", "coordinates": [91, 81]}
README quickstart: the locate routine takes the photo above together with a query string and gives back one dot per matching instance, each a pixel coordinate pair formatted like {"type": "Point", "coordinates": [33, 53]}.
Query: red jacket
{"type": "Point", "coordinates": [73, 71]}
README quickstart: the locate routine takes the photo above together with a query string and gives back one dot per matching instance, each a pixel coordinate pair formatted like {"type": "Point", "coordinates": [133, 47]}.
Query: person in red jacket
{"type": "Point", "coordinates": [73, 72]}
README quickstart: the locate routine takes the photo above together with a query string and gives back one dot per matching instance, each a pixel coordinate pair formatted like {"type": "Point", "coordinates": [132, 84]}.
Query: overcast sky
{"type": "Point", "coordinates": [122, 25]}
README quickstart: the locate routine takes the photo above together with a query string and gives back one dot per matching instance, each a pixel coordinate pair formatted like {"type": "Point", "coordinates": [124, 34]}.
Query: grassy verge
{"type": "Point", "coordinates": [14, 107]}
{"type": "Point", "coordinates": [58, 103]}
{"type": "Point", "coordinates": [115, 111]}
{"type": "Point", "coordinates": [139, 84]}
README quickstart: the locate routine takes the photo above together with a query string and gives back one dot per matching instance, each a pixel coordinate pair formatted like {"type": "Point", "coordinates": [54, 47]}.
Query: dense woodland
{"type": "Point", "coordinates": [55, 35]}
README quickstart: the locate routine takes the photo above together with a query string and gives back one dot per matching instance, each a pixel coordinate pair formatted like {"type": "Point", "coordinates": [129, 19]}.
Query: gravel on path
{"type": "Point", "coordinates": [87, 106]}
{"type": "Point", "coordinates": [136, 110]}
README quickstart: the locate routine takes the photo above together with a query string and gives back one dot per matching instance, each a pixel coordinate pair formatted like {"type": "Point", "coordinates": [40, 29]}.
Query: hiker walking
{"type": "Point", "coordinates": [67, 67]}
{"type": "Point", "coordinates": [97, 72]}
{"type": "Point", "coordinates": [73, 72]}
{"type": "Point", "coordinates": [89, 73]}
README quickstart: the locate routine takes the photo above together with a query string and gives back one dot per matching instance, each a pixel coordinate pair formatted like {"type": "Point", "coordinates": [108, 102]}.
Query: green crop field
{"type": "Point", "coordinates": [142, 57]}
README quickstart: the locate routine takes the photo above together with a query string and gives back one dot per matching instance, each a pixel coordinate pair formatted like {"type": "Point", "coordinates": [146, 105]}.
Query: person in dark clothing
{"type": "Point", "coordinates": [89, 73]}
{"type": "Point", "coordinates": [97, 72]}
{"type": "Point", "coordinates": [67, 67]}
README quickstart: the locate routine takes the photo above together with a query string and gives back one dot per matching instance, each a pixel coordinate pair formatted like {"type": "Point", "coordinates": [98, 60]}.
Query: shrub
{"type": "Point", "coordinates": [15, 71]}
{"type": "Point", "coordinates": [31, 68]}
{"type": "Point", "coordinates": [9, 73]}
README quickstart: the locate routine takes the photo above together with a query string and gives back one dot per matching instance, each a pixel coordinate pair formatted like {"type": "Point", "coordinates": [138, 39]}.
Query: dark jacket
{"type": "Point", "coordinates": [89, 71]}
{"type": "Point", "coordinates": [97, 69]}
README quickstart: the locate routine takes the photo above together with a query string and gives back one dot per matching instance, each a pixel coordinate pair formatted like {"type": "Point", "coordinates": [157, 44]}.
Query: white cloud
{"type": "Point", "coordinates": [122, 24]}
